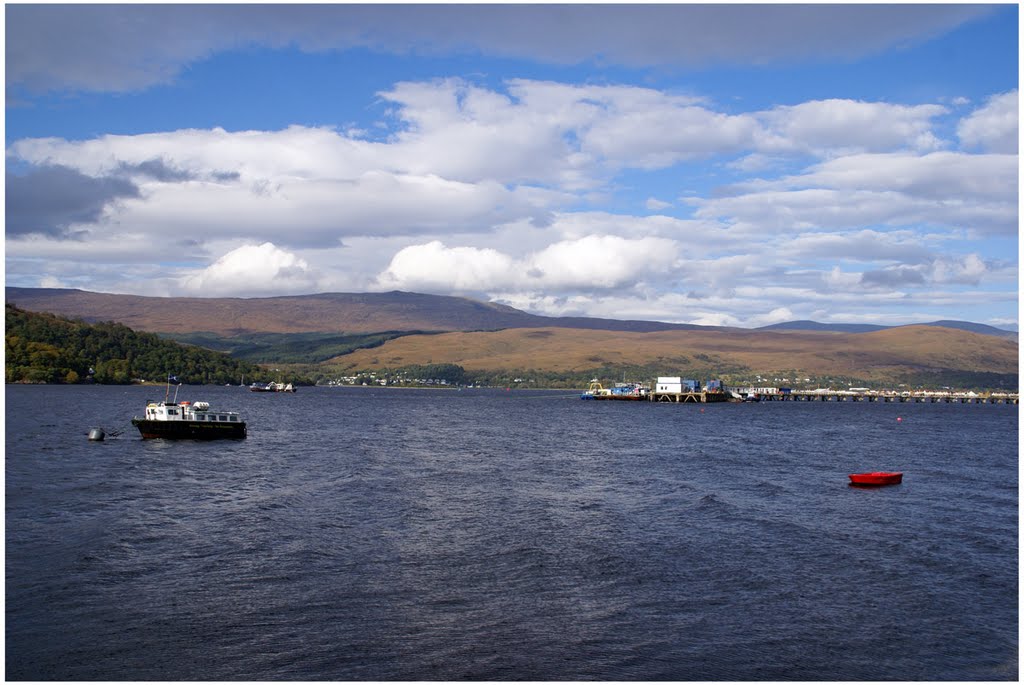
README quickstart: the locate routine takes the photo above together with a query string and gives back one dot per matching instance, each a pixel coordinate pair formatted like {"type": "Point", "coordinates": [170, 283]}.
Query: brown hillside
{"type": "Point", "coordinates": [862, 355]}
{"type": "Point", "coordinates": [330, 312]}
{"type": "Point", "coordinates": [322, 313]}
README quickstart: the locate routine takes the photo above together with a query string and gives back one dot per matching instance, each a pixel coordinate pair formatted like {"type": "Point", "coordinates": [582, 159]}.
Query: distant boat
{"type": "Point", "coordinates": [621, 391]}
{"type": "Point", "coordinates": [271, 387]}
{"type": "Point", "coordinates": [184, 420]}
{"type": "Point", "coordinates": [877, 478]}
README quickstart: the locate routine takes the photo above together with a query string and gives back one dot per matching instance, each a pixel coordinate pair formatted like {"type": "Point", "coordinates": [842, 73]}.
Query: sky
{"type": "Point", "coordinates": [722, 164]}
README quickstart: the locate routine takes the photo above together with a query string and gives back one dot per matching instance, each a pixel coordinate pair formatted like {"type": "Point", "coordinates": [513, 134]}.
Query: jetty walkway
{"type": "Point", "coordinates": [679, 391]}
{"type": "Point", "coordinates": [873, 396]}
{"type": "Point", "coordinates": [704, 397]}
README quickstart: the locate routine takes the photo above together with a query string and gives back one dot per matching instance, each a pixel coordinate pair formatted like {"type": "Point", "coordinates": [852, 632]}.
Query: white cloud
{"type": "Point", "coordinates": [434, 266]}
{"type": "Point", "coordinates": [559, 136]}
{"type": "Point", "coordinates": [969, 270]}
{"type": "Point", "coordinates": [849, 125]}
{"type": "Point", "coordinates": [652, 135]}
{"type": "Point", "coordinates": [590, 263]}
{"type": "Point", "coordinates": [545, 132]}
{"type": "Point", "coordinates": [978, 192]}
{"type": "Point", "coordinates": [468, 192]}
{"type": "Point", "coordinates": [50, 281]}
{"type": "Point", "coordinates": [300, 185]}
{"type": "Point", "coordinates": [863, 246]}
{"type": "Point", "coordinates": [993, 127]}
{"type": "Point", "coordinates": [253, 270]}
{"type": "Point", "coordinates": [799, 211]}
{"type": "Point", "coordinates": [935, 176]}
{"type": "Point", "coordinates": [601, 261]}
{"type": "Point", "coordinates": [467, 159]}
{"type": "Point", "coordinates": [777, 315]}
{"type": "Point", "coordinates": [460, 131]}
{"type": "Point", "coordinates": [837, 279]}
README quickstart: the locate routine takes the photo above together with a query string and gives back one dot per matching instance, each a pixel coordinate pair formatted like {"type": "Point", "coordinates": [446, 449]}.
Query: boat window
{"type": "Point", "coordinates": [232, 418]}
{"type": "Point", "coordinates": [221, 417]}
{"type": "Point", "coordinates": [172, 412]}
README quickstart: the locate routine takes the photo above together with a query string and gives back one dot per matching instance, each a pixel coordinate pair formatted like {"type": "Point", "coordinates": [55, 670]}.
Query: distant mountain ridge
{"type": "Point", "coordinates": [322, 313]}
{"type": "Point", "coordinates": [805, 325]}
{"type": "Point", "coordinates": [360, 313]}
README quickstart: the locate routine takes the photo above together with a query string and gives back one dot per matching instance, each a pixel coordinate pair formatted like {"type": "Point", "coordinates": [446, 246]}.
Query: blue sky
{"type": "Point", "coordinates": [716, 164]}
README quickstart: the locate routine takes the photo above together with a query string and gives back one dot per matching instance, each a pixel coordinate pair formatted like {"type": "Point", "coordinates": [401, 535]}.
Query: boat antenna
{"type": "Point", "coordinates": [167, 392]}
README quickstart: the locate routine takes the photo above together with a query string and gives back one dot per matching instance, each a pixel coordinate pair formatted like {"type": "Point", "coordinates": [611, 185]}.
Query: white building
{"type": "Point", "coordinates": [670, 384]}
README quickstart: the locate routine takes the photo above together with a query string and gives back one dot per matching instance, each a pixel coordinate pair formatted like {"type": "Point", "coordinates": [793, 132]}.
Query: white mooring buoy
{"type": "Point", "coordinates": [97, 434]}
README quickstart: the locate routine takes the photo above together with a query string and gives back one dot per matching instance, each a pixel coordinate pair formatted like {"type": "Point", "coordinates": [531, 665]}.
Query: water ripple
{"type": "Point", "coordinates": [371, 534]}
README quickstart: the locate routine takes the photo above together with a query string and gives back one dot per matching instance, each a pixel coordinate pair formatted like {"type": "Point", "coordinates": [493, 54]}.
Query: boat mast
{"type": "Point", "coordinates": [168, 390]}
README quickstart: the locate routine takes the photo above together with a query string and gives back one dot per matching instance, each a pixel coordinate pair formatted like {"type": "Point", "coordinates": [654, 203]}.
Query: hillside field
{"type": "Point", "coordinates": [877, 355]}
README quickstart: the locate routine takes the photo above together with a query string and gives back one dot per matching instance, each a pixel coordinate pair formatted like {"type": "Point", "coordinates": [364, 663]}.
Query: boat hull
{"type": "Point", "coordinates": [876, 478]}
{"type": "Point", "coordinates": [190, 430]}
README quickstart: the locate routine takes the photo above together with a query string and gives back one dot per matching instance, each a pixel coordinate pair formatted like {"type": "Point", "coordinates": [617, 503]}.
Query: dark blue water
{"type": "Point", "coordinates": [374, 534]}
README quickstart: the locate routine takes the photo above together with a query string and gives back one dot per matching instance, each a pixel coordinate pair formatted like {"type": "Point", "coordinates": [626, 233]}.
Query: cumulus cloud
{"type": "Point", "coordinates": [967, 270]}
{"type": "Point", "coordinates": [893, 189]}
{"type": "Point", "coordinates": [935, 176]}
{"type": "Point", "coordinates": [639, 135]}
{"type": "Point", "coordinates": [494, 191]}
{"type": "Point", "coordinates": [315, 181]}
{"type": "Point", "coordinates": [993, 127]}
{"type": "Point", "coordinates": [465, 158]}
{"type": "Point", "coordinates": [127, 47]}
{"type": "Point", "coordinates": [849, 125]}
{"type": "Point", "coordinates": [434, 266]}
{"type": "Point", "coordinates": [777, 315]}
{"type": "Point", "coordinates": [253, 270]}
{"type": "Point", "coordinates": [51, 282]}
{"type": "Point", "coordinates": [864, 246]}
{"type": "Point", "coordinates": [570, 135]}
{"type": "Point", "coordinates": [530, 151]}
{"type": "Point", "coordinates": [590, 263]}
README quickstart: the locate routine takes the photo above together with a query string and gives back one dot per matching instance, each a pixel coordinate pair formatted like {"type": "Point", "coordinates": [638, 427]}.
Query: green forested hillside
{"type": "Point", "coordinates": [42, 348]}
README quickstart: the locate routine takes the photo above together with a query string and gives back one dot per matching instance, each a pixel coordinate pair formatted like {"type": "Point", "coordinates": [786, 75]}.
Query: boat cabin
{"type": "Point", "coordinates": [186, 411]}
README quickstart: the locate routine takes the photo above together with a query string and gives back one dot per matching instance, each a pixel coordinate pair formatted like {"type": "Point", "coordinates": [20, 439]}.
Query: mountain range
{"type": "Point", "coordinates": [360, 313]}
{"type": "Point", "coordinates": [377, 331]}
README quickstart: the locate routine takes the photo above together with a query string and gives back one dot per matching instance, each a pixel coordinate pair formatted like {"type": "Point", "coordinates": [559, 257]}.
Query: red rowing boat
{"type": "Point", "coordinates": [877, 478]}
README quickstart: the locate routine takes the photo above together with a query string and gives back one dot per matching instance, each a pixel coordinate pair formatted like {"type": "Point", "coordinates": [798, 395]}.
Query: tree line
{"type": "Point", "coordinates": [44, 348]}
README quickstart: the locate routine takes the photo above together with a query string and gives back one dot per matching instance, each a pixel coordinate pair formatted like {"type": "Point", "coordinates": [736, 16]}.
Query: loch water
{"type": "Point", "coordinates": [482, 534]}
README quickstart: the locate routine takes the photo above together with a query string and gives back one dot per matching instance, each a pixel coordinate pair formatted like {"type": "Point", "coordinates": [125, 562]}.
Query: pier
{"type": "Point", "coordinates": [701, 397]}
{"type": "Point", "coordinates": [875, 396]}
{"type": "Point", "coordinates": [678, 391]}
